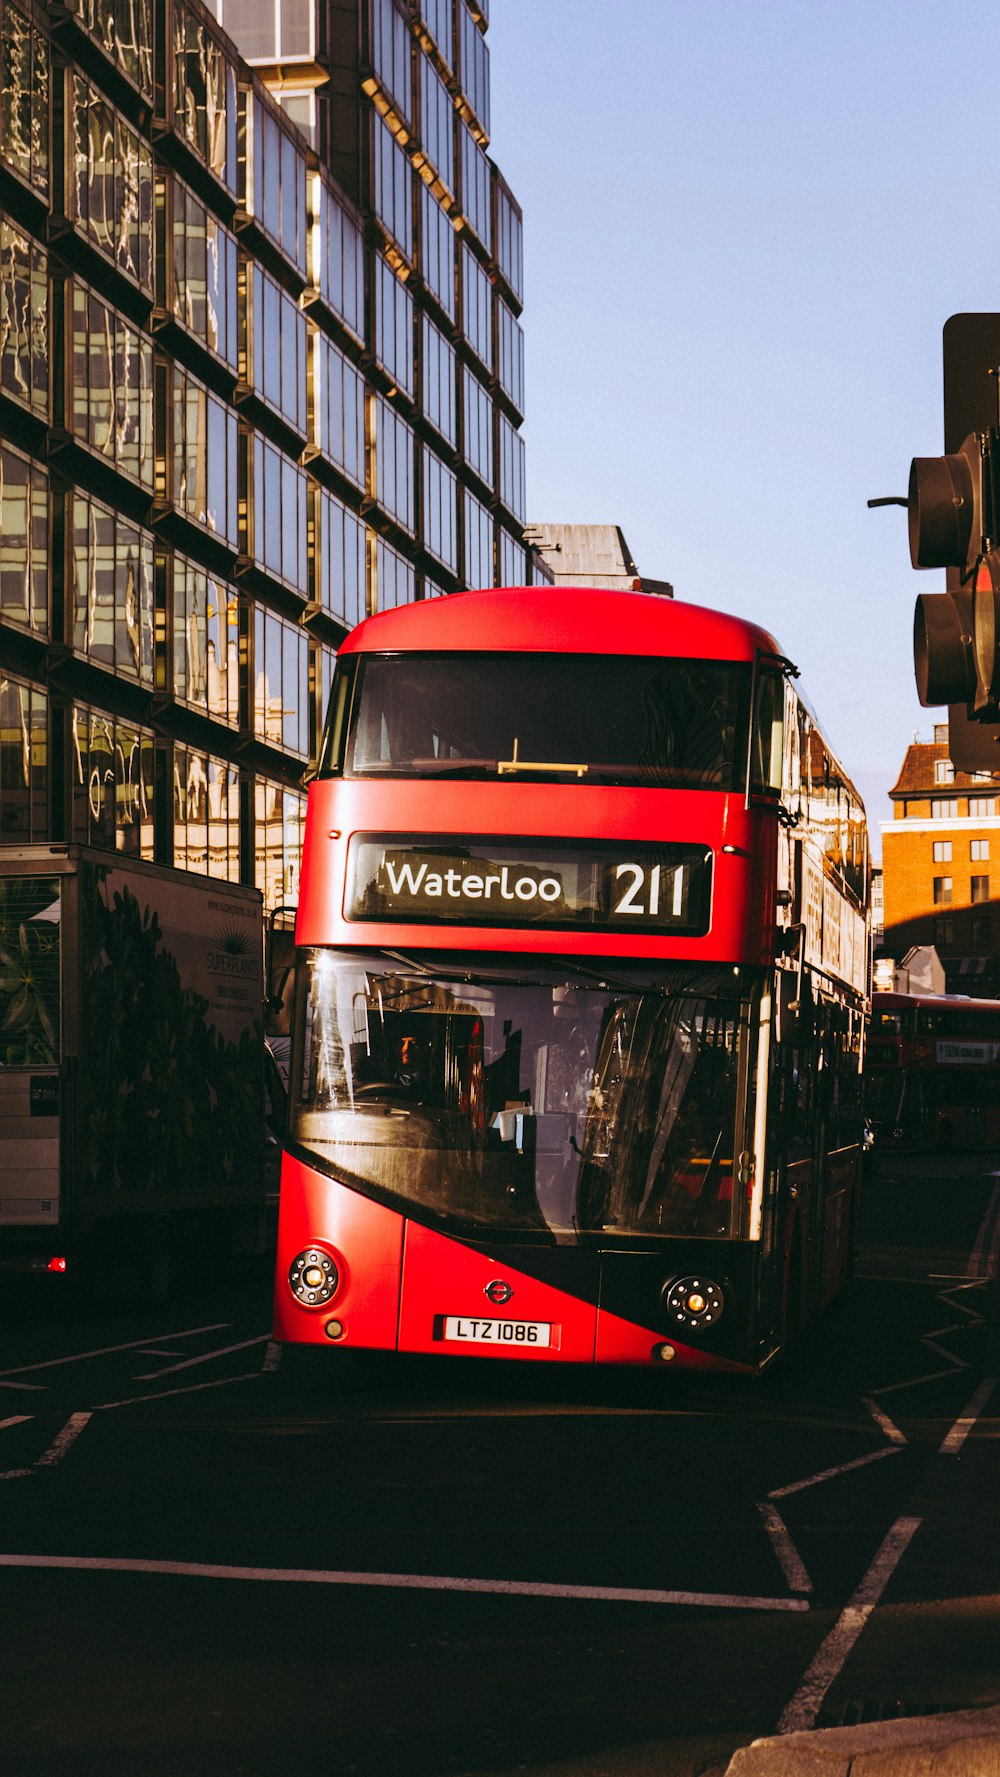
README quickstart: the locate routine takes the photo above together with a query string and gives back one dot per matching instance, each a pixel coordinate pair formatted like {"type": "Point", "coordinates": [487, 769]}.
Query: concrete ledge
{"type": "Point", "coordinates": [966, 1744]}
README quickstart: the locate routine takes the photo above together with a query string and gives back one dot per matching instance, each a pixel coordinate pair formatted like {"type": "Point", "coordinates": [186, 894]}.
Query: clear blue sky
{"type": "Point", "coordinates": [745, 223]}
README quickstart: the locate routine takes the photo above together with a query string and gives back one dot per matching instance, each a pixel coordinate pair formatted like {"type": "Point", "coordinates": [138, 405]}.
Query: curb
{"type": "Point", "coordinates": [966, 1744]}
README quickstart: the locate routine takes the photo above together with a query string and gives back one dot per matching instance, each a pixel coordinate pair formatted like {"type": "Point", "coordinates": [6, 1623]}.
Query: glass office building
{"type": "Point", "coordinates": [261, 373]}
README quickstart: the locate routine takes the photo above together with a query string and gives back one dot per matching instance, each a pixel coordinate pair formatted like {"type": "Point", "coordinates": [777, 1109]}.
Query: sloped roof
{"type": "Point", "coordinates": [916, 777]}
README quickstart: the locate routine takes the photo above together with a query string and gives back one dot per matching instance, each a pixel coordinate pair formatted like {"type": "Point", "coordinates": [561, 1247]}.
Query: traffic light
{"type": "Point", "coordinates": [952, 506]}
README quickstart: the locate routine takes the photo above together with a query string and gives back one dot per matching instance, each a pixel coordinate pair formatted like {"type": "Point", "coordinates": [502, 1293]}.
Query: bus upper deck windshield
{"type": "Point", "coordinates": [588, 718]}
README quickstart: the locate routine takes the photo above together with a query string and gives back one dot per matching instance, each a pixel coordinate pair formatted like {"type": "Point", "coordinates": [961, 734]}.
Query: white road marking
{"type": "Point", "coordinates": [15, 1419]}
{"type": "Point", "coordinates": [965, 1422]}
{"type": "Point", "coordinates": [204, 1358]}
{"type": "Point", "coordinates": [789, 1559]}
{"type": "Point", "coordinates": [272, 1358]}
{"type": "Point", "coordinates": [155, 1351]}
{"type": "Point", "coordinates": [76, 1357]}
{"type": "Point", "coordinates": [884, 1423]}
{"type": "Point", "coordinates": [914, 1381]}
{"type": "Point", "coordinates": [827, 1474]}
{"type": "Point", "coordinates": [163, 1394]}
{"type": "Point", "coordinates": [421, 1582]}
{"type": "Point", "coordinates": [14, 1474]}
{"type": "Point", "coordinates": [32, 1387]}
{"type": "Point", "coordinates": [69, 1434]}
{"type": "Point", "coordinates": [804, 1707]}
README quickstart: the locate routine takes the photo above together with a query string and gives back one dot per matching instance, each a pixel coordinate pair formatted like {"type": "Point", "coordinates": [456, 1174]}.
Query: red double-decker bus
{"type": "Point", "coordinates": [932, 1073]}
{"type": "Point", "coordinates": [581, 976]}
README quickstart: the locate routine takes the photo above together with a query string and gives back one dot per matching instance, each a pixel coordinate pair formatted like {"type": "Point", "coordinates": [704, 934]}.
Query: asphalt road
{"type": "Point", "coordinates": [438, 1568]}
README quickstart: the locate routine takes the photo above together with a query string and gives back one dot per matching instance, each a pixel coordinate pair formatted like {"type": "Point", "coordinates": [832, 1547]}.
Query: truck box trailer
{"type": "Point", "coordinates": [131, 1068]}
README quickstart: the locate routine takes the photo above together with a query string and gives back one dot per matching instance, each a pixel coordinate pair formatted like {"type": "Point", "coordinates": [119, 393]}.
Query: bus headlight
{"type": "Point", "coordinates": [693, 1302]}
{"type": "Point", "coordinates": [313, 1277]}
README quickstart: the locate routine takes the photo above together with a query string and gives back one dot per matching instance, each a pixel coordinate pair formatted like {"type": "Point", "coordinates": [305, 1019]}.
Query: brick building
{"type": "Point", "coordinates": [938, 853]}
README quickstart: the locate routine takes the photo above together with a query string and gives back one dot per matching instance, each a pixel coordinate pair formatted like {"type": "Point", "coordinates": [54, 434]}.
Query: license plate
{"type": "Point", "coordinates": [497, 1332]}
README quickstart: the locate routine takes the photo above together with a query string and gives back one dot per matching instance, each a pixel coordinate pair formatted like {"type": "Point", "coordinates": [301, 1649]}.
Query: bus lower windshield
{"type": "Point", "coordinates": [591, 718]}
{"type": "Point", "coordinates": [546, 1101]}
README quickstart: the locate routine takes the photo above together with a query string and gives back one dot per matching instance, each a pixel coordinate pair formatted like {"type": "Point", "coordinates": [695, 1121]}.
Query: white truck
{"type": "Point", "coordinates": [131, 1070]}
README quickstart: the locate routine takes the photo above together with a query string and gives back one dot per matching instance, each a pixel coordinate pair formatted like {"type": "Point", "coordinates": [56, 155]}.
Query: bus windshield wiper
{"type": "Point", "coordinates": [507, 766]}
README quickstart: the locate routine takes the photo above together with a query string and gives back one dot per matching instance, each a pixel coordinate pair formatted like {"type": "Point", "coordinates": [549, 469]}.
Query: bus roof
{"type": "Point", "coordinates": [558, 619]}
{"type": "Point", "coordinates": [937, 1002]}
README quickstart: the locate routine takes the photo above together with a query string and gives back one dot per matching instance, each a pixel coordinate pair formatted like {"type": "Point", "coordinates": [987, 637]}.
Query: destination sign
{"type": "Point", "coordinates": [596, 886]}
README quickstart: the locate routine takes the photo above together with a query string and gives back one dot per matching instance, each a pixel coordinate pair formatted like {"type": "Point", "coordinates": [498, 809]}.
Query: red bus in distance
{"type": "Point", "coordinates": [581, 977]}
{"type": "Point", "coordinates": [932, 1073]}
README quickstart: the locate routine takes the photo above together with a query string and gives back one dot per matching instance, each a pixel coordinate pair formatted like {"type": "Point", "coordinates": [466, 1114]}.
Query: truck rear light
{"type": "Point", "coordinates": [313, 1278]}
{"type": "Point", "coordinates": [56, 1264]}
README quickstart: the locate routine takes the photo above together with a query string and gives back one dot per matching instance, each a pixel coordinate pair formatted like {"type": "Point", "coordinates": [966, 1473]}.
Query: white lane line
{"type": "Point", "coordinates": [204, 1358]}
{"type": "Point", "coordinates": [272, 1358]}
{"type": "Point", "coordinates": [163, 1394]}
{"type": "Point", "coordinates": [804, 1707]}
{"type": "Point", "coordinates": [155, 1351]}
{"type": "Point", "coordinates": [915, 1381]}
{"type": "Point", "coordinates": [789, 1559]}
{"type": "Point", "coordinates": [420, 1582]}
{"type": "Point", "coordinates": [31, 1387]}
{"type": "Point", "coordinates": [827, 1474]}
{"type": "Point", "coordinates": [14, 1474]}
{"type": "Point", "coordinates": [15, 1419]}
{"type": "Point", "coordinates": [883, 1422]}
{"type": "Point", "coordinates": [69, 1434]}
{"type": "Point", "coordinates": [965, 1422]}
{"type": "Point", "coordinates": [76, 1357]}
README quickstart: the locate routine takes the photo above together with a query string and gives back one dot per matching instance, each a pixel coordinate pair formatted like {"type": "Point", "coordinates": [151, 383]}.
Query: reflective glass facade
{"type": "Point", "coordinates": [258, 385]}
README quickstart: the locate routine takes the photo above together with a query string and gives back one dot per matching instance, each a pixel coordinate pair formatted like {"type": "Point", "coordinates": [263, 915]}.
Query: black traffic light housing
{"type": "Point", "coordinates": [952, 504]}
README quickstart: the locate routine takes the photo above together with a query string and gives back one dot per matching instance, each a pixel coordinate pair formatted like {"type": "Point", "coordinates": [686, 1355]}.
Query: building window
{"type": "Point", "coordinates": [278, 336]}
{"type": "Point", "coordinates": [277, 195]}
{"type": "Point", "coordinates": [979, 851]}
{"type": "Point", "coordinates": [944, 771]}
{"type": "Point", "coordinates": [394, 465]}
{"type": "Point", "coordinates": [476, 323]}
{"type": "Point", "coordinates": [24, 97]}
{"type": "Point", "coordinates": [205, 630]}
{"type": "Point", "coordinates": [980, 807]}
{"type": "Point", "coordinates": [205, 95]}
{"type": "Point", "coordinates": [477, 411]}
{"type": "Point", "coordinates": [395, 579]}
{"type": "Point", "coordinates": [509, 241]}
{"type": "Point", "coordinates": [205, 478]}
{"type": "Point", "coordinates": [439, 371]}
{"type": "Point", "coordinates": [391, 53]}
{"type": "Point", "coordinates": [124, 31]}
{"type": "Point", "coordinates": [437, 123]}
{"type": "Point", "coordinates": [111, 574]}
{"type": "Point", "coordinates": [942, 890]}
{"type": "Point", "coordinates": [511, 559]}
{"type": "Point", "coordinates": [281, 683]}
{"type": "Point", "coordinates": [338, 253]}
{"type": "Point", "coordinates": [440, 507]}
{"type": "Point", "coordinates": [476, 187]}
{"type": "Point", "coordinates": [24, 320]}
{"type": "Point", "coordinates": [206, 799]}
{"type": "Point", "coordinates": [112, 784]}
{"type": "Point", "coordinates": [279, 516]}
{"type": "Point", "coordinates": [980, 886]}
{"type": "Point", "coordinates": [24, 762]}
{"type": "Point", "coordinates": [279, 821]}
{"type": "Point", "coordinates": [942, 851]}
{"type": "Point", "coordinates": [111, 185]}
{"type": "Point", "coordinates": [393, 327]}
{"type": "Point", "coordinates": [112, 387]}
{"type": "Point", "coordinates": [478, 543]}
{"type": "Point", "coordinates": [436, 16]}
{"type": "Point", "coordinates": [338, 423]}
{"type": "Point", "coordinates": [475, 67]}
{"type": "Point", "coordinates": [393, 205]}
{"type": "Point", "coordinates": [340, 585]}
{"type": "Point", "coordinates": [437, 252]}
{"type": "Point", "coordinates": [24, 542]}
{"type": "Point", "coordinates": [512, 471]}
{"type": "Point", "coordinates": [269, 30]}
{"type": "Point", "coordinates": [944, 808]}
{"type": "Point", "coordinates": [981, 930]}
{"type": "Point", "coordinates": [201, 290]}
{"type": "Point", "coordinates": [944, 931]}
{"type": "Point", "coordinates": [510, 344]}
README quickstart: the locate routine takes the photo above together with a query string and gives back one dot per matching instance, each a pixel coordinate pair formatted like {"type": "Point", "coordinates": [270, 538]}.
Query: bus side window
{"type": "Point", "coordinates": [768, 736]}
